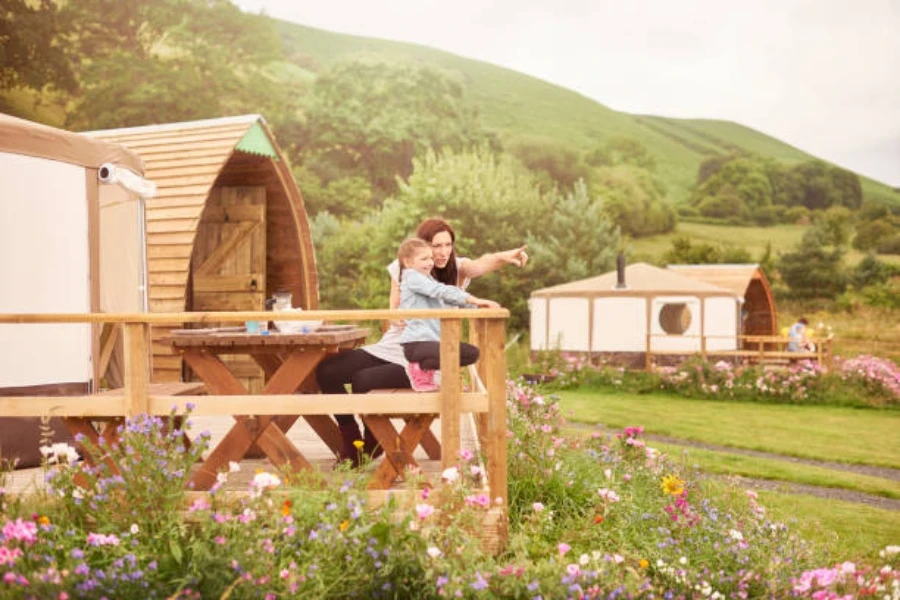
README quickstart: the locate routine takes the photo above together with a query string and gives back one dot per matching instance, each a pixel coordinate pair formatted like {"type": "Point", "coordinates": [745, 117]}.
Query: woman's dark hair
{"type": "Point", "coordinates": [449, 275]}
{"type": "Point", "coordinates": [803, 320]}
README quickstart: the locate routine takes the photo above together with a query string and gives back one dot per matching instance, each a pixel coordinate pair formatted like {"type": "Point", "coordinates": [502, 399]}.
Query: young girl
{"type": "Point", "coordinates": [421, 337]}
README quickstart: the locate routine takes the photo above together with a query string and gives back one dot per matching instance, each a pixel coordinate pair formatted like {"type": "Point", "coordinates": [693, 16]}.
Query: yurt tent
{"type": "Point", "coordinates": [227, 227]}
{"type": "Point", "coordinates": [71, 241]}
{"type": "Point", "coordinates": [747, 281]}
{"type": "Point", "coordinates": [625, 312]}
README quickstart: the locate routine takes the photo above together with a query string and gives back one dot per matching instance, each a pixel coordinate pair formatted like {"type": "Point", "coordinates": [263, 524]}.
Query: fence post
{"type": "Point", "coordinates": [494, 361]}
{"type": "Point", "coordinates": [137, 368]}
{"type": "Point", "coordinates": [451, 389]}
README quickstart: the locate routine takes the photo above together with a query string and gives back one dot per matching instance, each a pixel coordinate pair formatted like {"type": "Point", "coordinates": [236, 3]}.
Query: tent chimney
{"type": "Point", "coordinates": [620, 271]}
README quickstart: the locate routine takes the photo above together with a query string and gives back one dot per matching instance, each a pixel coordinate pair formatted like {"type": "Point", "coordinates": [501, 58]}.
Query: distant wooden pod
{"type": "Point", "coordinates": [227, 227]}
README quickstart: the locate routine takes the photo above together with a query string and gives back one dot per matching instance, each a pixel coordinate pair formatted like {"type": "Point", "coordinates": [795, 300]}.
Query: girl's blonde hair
{"type": "Point", "coordinates": [408, 249]}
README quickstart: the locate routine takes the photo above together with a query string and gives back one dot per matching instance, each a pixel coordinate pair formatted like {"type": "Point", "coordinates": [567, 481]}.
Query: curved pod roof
{"type": "Point", "coordinates": [186, 160]}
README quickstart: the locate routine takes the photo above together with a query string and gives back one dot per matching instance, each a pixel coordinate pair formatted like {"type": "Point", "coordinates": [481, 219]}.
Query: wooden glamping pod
{"type": "Point", "coordinates": [621, 315]}
{"type": "Point", "coordinates": [227, 227]}
{"type": "Point", "coordinates": [71, 241]}
{"type": "Point", "coordinates": [758, 315]}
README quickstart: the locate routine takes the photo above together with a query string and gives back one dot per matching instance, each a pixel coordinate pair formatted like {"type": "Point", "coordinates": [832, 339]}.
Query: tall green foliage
{"type": "Point", "coordinates": [577, 240]}
{"type": "Point", "coordinates": [371, 117]}
{"type": "Point", "coordinates": [814, 269]}
{"type": "Point", "coordinates": [31, 53]}
{"type": "Point", "coordinates": [633, 199]}
{"type": "Point", "coordinates": [150, 62]}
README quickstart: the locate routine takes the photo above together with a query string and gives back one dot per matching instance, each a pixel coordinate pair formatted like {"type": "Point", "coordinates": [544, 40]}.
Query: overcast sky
{"type": "Point", "coordinates": [822, 75]}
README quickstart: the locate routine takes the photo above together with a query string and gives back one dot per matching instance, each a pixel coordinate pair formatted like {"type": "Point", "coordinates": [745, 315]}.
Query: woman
{"type": "Point", "coordinates": [382, 365]}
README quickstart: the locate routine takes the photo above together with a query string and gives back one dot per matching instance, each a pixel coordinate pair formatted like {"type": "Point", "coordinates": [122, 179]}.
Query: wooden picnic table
{"type": "Point", "coordinates": [289, 362]}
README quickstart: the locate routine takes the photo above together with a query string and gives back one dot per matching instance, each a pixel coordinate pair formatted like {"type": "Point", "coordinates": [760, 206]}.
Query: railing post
{"type": "Point", "coordinates": [137, 368]}
{"type": "Point", "coordinates": [477, 337]}
{"type": "Point", "coordinates": [494, 362]}
{"type": "Point", "coordinates": [451, 389]}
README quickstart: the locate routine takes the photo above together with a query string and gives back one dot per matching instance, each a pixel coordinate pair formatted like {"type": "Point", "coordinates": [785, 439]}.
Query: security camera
{"type": "Point", "coordinates": [112, 174]}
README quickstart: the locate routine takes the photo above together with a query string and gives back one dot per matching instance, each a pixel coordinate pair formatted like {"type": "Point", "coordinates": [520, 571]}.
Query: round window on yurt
{"type": "Point", "coordinates": [675, 318]}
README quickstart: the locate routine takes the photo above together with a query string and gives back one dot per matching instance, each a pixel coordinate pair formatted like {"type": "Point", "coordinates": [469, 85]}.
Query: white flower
{"type": "Point", "coordinates": [583, 559]}
{"type": "Point", "coordinates": [607, 473]}
{"type": "Point", "coordinates": [736, 535]}
{"type": "Point", "coordinates": [59, 451]}
{"type": "Point", "coordinates": [222, 477]}
{"type": "Point", "coordinates": [134, 529]}
{"type": "Point", "coordinates": [262, 481]}
{"type": "Point", "coordinates": [433, 552]}
{"type": "Point", "coordinates": [233, 467]}
{"type": "Point", "coordinates": [683, 560]}
{"type": "Point", "coordinates": [450, 475]}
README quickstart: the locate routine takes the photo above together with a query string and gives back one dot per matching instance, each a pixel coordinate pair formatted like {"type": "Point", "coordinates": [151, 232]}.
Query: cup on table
{"type": "Point", "coordinates": [252, 326]}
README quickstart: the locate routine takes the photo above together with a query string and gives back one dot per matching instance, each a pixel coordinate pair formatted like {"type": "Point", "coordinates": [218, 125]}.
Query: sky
{"type": "Point", "coordinates": [821, 75]}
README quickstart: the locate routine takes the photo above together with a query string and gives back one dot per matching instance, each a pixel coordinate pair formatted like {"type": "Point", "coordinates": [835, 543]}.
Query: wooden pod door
{"type": "Point", "coordinates": [228, 266]}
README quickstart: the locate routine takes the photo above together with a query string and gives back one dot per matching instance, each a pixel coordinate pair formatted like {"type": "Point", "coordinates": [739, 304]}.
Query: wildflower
{"type": "Point", "coordinates": [423, 511]}
{"type": "Point", "coordinates": [56, 452]}
{"type": "Point", "coordinates": [286, 508]}
{"type": "Point", "coordinates": [450, 475]}
{"type": "Point", "coordinates": [672, 485]}
{"type": "Point", "coordinates": [466, 454]}
{"type": "Point", "coordinates": [99, 539]}
{"type": "Point", "coordinates": [608, 495]}
{"type": "Point", "coordinates": [563, 548]}
{"type": "Point", "coordinates": [233, 467]}
{"type": "Point", "coordinates": [262, 481]}
{"type": "Point", "coordinates": [358, 444]}
{"type": "Point", "coordinates": [598, 519]}
{"type": "Point", "coordinates": [537, 506]}
{"type": "Point", "coordinates": [43, 520]}
{"type": "Point", "coordinates": [344, 525]}
{"type": "Point", "coordinates": [479, 500]}
{"type": "Point", "coordinates": [643, 563]}
{"type": "Point", "coordinates": [433, 552]}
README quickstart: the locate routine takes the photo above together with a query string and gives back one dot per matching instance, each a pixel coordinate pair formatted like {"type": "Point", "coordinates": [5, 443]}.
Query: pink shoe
{"type": "Point", "coordinates": [422, 380]}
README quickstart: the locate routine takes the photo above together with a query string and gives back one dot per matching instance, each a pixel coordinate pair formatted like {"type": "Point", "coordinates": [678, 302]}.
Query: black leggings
{"type": "Point", "coordinates": [428, 354]}
{"type": "Point", "coordinates": [363, 371]}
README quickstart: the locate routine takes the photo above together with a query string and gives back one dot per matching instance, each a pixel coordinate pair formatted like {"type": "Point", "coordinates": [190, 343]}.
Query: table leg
{"type": "Point", "coordinates": [233, 447]}
{"type": "Point", "coordinates": [280, 450]}
{"type": "Point", "coordinates": [398, 449]}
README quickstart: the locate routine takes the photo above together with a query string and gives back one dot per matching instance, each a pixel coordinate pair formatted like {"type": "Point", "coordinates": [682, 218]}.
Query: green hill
{"type": "Point", "coordinates": [514, 104]}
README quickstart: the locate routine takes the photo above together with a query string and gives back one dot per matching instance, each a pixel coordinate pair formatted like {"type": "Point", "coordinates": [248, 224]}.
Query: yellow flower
{"type": "Point", "coordinates": [359, 444]}
{"type": "Point", "coordinates": [345, 525]}
{"type": "Point", "coordinates": [286, 508]}
{"type": "Point", "coordinates": [643, 563]}
{"type": "Point", "coordinates": [43, 520]}
{"type": "Point", "coordinates": [672, 485]}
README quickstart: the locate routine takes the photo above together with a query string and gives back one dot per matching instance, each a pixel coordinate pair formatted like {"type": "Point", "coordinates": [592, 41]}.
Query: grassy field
{"type": "Point", "coordinates": [836, 434]}
{"type": "Point", "coordinates": [842, 530]}
{"type": "Point", "coordinates": [514, 104]}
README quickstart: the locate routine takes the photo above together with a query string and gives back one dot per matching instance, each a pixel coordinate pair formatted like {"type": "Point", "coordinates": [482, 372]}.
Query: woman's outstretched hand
{"type": "Point", "coordinates": [482, 303]}
{"type": "Point", "coordinates": [517, 256]}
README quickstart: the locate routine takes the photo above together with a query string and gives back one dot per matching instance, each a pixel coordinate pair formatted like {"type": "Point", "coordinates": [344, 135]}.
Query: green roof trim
{"type": "Point", "coordinates": [255, 141]}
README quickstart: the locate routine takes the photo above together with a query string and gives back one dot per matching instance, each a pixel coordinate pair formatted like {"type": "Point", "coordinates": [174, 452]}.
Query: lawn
{"type": "Point", "coordinates": [836, 434]}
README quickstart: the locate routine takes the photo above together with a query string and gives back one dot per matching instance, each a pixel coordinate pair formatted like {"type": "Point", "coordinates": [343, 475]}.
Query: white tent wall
{"type": "Point", "coordinates": [721, 328]}
{"type": "Point", "coordinates": [568, 324]}
{"type": "Point", "coordinates": [620, 324]}
{"type": "Point", "coordinates": [122, 251]}
{"type": "Point", "coordinates": [538, 329]}
{"type": "Point", "coordinates": [45, 268]}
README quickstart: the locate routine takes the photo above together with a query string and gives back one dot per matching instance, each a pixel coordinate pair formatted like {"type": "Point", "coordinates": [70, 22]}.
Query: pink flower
{"type": "Point", "coordinates": [423, 511]}
{"type": "Point", "coordinates": [563, 548]}
{"type": "Point", "coordinates": [99, 539]}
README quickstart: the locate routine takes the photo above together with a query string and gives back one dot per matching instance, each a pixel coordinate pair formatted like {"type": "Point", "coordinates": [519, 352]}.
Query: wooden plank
{"type": "Point", "coordinates": [168, 251]}
{"type": "Point", "coordinates": [306, 404]}
{"type": "Point", "coordinates": [280, 450]}
{"type": "Point", "coordinates": [240, 235]}
{"type": "Point", "coordinates": [235, 213]}
{"type": "Point", "coordinates": [229, 301]}
{"type": "Point", "coordinates": [61, 406]}
{"type": "Point", "coordinates": [168, 265]}
{"type": "Point", "coordinates": [494, 357]}
{"type": "Point", "coordinates": [330, 316]}
{"type": "Point", "coordinates": [108, 343]}
{"type": "Point", "coordinates": [137, 368]}
{"type": "Point", "coordinates": [245, 282]}
{"type": "Point", "coordinates": [215, 374]}
{"type": "Point", "coordinates": [167, 238]}
{"type": "Point", "coordinates": [168, 213]}
{"type": "Point", "coordinates": [450, 391]}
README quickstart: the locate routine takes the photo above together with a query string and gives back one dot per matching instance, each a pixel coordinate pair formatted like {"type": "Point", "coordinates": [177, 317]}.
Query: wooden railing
{"type": "Point", "coordinates": [487, 330]}
{"type": "Point", "coordinates": [750, 348]}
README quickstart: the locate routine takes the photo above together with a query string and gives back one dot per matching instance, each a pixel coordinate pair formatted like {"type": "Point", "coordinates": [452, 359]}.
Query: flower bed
{"type": "Point", "coordinates": [606, 516]}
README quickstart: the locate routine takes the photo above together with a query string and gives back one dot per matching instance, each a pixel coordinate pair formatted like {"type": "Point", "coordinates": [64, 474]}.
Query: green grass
{"type": "Point", "coordinates": [723, 463]}
{"type": "Point", "coordinates": [816, 432]}
{"type": "Point", "coordinates": [845, 530]}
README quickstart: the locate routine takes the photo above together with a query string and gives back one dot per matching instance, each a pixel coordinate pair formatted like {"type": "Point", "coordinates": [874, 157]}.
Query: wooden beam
{"type": "Point", "coordinates": [494, 357]}
{"type": "Point", "coordinates": [137, 368]}
{"type": "Point", "coordinates": [451, 388]}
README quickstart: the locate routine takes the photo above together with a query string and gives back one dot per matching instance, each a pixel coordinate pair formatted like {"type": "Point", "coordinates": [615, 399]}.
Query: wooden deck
{"type": "Point", "coordinates": [27, 481]}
